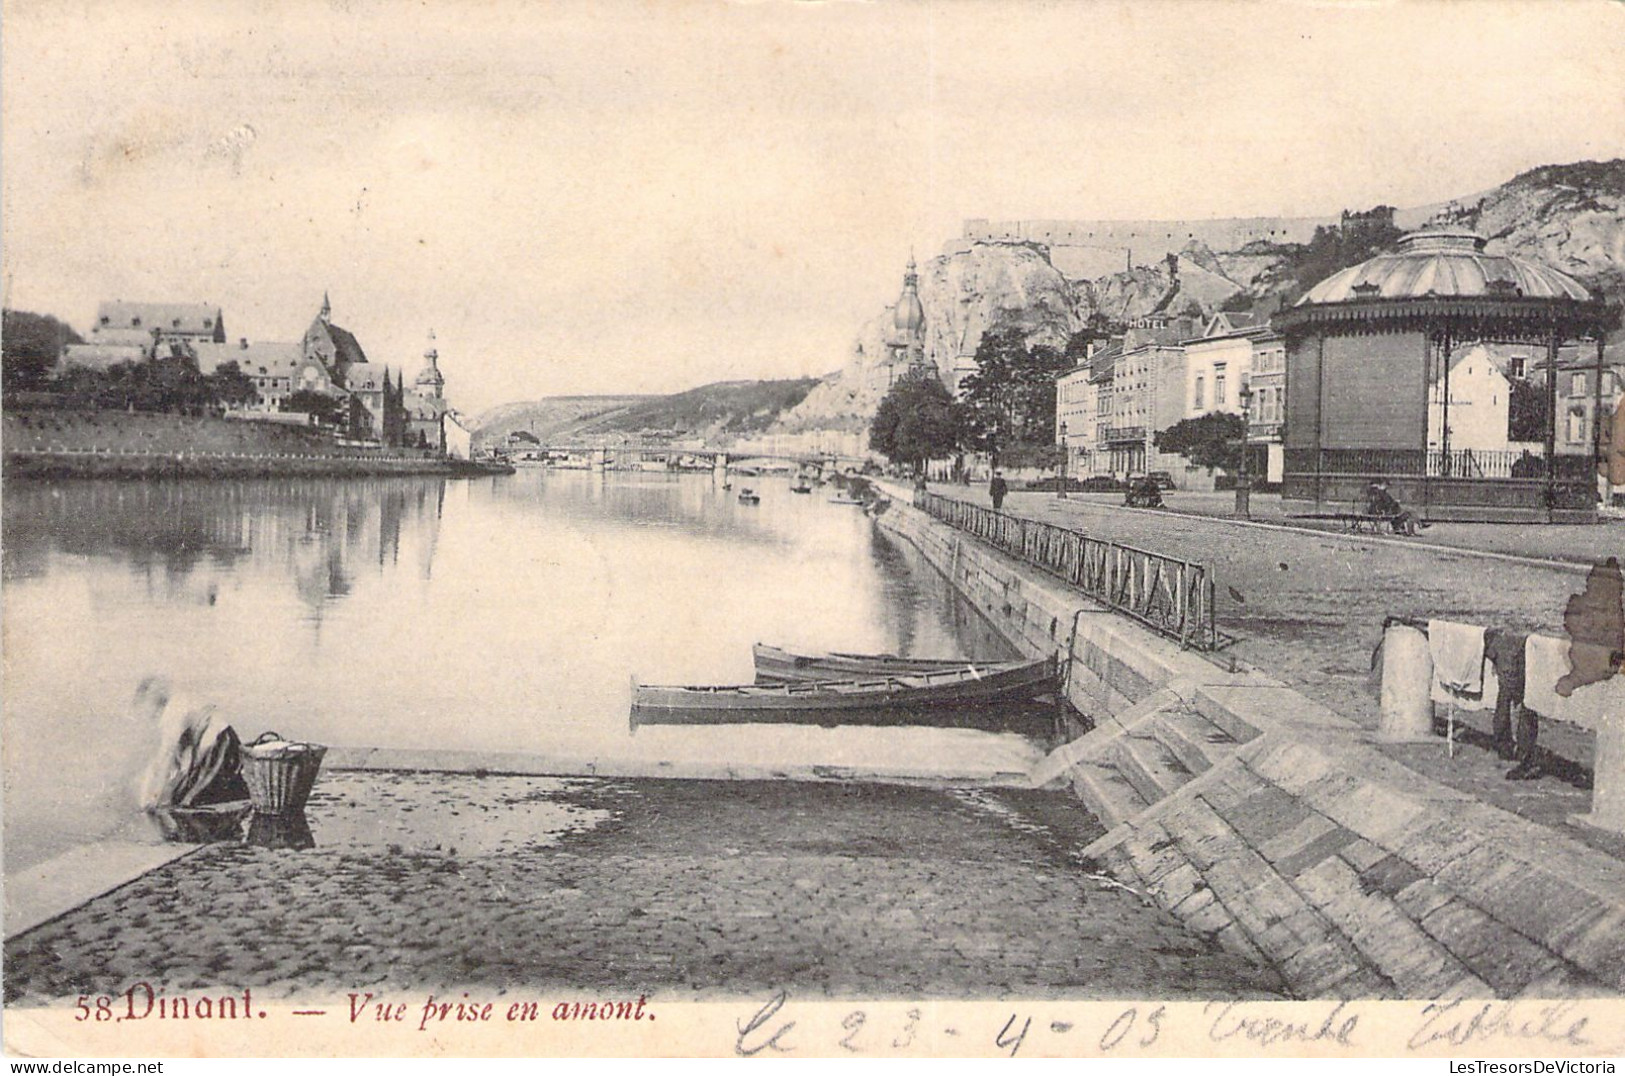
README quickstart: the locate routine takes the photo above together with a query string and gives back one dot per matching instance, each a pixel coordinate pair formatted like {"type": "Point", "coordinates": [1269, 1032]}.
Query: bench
{"type": "Point", "coordinates": [1355, 522]}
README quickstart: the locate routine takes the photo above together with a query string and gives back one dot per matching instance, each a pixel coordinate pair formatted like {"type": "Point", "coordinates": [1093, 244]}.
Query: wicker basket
{"type": "Point", "coordinates": [280, 774]}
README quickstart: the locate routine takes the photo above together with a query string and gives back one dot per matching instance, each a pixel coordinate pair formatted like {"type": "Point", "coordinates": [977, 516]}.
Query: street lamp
{"type": "Point", "coordinates": [1060, 485]}
{"type": "Point", "coordinates": [1243, 483]}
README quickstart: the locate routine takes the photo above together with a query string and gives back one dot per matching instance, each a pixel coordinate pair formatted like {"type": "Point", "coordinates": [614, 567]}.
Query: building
{"type": "Point", "coordinates": [1239, 353]}
{"type": "Point", "coordinates": [278, 369]}
{"type": "Point", "coordinates": [1470, 407]}
{"type": "Point", "coordinates": [134, 332]}
{"type": "Point", "coordinates": [458, 438]}
{"type": "Point", "coordinates": [1266, 416]}
{"type": "Point", "coordinates": [1139, 384]}
{"type": "Point", "coordinates": [1076, 397]}
{"type": "Point", "coordinates": [425, 403]}
{"type": "Point", "coordinates": [1365, 345]}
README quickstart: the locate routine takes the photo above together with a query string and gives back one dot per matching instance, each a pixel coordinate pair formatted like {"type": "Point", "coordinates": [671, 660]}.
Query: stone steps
{"type": "Point", "coordinates": [1107, 793]}
{"type": "Point", "coordinates": [1148, 765]}
{"type": "Point", "coordinates": [1194, 740]}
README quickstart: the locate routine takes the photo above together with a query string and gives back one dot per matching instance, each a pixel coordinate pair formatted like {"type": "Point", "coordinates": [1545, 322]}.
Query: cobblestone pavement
{"type": "Point", "coordinates": [1577, 543]}
{"type": "Point", "coordinates": [677, 889]}
{"type": "Point", "coordinates": [1308, 606]}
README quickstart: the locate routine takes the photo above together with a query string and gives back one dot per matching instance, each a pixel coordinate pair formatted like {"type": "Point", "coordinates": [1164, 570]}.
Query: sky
{"type": "Point", "coordinates": [645, 196]}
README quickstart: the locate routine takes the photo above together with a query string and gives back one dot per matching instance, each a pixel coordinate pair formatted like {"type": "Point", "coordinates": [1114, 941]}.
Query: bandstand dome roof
{"type": "Point", "coordinates": [1445, 263]}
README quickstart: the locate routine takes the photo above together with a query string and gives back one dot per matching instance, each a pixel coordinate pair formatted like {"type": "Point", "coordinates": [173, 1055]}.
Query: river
{"type": "Point", "coordinates": [506, 613]}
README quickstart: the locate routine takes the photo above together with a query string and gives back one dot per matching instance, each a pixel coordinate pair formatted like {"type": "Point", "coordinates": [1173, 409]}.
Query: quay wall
{"type": "Point", "coordinates": [1275, 825]}
{"type": "Point", "coordinates": [117, 444]}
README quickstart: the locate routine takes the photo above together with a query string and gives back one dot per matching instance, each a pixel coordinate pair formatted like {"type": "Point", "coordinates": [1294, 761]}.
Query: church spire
{"type": "Point", "coordinates": [326, 314]}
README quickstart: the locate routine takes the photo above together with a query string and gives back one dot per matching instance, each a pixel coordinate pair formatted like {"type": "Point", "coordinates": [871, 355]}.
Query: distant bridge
{"type": "Point", "coordinates": [602, 456]}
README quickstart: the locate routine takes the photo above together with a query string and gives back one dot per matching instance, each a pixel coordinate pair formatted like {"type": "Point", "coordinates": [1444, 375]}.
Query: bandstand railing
{"type": "Point", "coordinates": [1171, 596]}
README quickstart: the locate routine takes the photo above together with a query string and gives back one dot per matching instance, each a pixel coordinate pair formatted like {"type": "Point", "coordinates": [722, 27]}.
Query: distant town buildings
{"type": "Point", "coordinates": [328, 361]}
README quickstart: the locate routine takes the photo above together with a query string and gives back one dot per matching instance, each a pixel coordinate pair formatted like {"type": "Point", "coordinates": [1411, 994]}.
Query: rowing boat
{"type": "Point", "coordinates": [776, 666]}
{"type": "Point", "coordinates": [904, 699]}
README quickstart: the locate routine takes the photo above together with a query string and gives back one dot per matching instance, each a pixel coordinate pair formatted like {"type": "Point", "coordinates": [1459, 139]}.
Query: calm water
{"type": "Point", "coordinates": [507, 613]}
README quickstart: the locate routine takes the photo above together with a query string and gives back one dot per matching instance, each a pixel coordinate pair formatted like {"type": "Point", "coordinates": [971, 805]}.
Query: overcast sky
{"type": "Point", "coordinates": [642, 197]}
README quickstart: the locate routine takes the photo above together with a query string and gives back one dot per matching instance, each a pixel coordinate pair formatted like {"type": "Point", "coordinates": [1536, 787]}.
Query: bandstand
{"type": "Point", "coordinates": [1368, 349]}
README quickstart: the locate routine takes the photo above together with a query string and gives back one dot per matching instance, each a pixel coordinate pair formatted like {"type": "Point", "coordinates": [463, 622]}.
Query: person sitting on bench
{"type": "Point", "coordinates": [1379, 502]}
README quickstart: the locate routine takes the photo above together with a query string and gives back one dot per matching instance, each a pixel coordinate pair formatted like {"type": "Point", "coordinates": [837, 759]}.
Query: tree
{"type": "Point", "coordinates": [323, 408]}
{"type": "Point", "coordinates": [30, 345]}
{"type": "Point", "coordinates": [918, 420]}
{"type": "Point", "coordinates": [228, 386]}
{"type": "Point", "coordinates": [1527, 411]}
{"type": "Point", "coordinates": [1010, 398]}
{"type": "Point", "coordinates": [1211, 440]}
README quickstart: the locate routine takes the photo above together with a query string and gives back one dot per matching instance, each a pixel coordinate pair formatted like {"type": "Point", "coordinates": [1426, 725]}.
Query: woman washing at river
{"type": "Point", "coordinates": [195, 762]}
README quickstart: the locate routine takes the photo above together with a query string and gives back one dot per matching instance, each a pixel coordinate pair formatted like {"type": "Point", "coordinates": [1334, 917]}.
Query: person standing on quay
{"type": "Point", "coordinates": [996, 489]}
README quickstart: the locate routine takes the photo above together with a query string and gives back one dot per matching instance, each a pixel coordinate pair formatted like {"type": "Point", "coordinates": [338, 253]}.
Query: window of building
{"type": "Point", "coordinates": [1577, 384]}
{"type": "Point", "coordinates": [1218, 386]}
{"type": "Point", "coordinates": [1515, 366]}
{"type": "Point", "coordinates": [1200, 402]}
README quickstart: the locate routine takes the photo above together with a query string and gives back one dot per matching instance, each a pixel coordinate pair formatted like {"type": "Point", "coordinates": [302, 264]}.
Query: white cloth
{"type": "Point", "coordinates": [1458, 665]}
{"type": "Point", "coordinates": [1547, 661]}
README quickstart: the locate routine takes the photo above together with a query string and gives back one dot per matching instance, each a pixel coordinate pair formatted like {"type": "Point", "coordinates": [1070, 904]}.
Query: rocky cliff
{"type": "Point", "coordinates": [1571, 216]}
{"type": "Point", "coordinates": [964, 295]}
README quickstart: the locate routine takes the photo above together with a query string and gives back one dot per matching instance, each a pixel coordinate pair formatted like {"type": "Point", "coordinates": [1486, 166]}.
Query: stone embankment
{"type": "Point", "coordinates": [1267, 820]}
{"type": "Point", "coordinates": [117, 444]}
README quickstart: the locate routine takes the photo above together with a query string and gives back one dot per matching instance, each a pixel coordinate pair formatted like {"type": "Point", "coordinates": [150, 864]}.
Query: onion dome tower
{"type": "Point", "coordinates": [909, 320]}
{"type": "Point", "coordinates": [429, 381]}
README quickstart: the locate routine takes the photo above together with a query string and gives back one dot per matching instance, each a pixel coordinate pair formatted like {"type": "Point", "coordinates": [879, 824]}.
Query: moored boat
{"type": "Point", "coordinates": [749, 496]}
{"type": "Point", "coordinates": [778, 666]}
{"type": "Point", "coordinates": [904, 699]}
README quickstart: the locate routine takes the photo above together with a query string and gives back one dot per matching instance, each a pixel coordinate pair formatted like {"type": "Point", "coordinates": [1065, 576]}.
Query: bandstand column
{"type": "Point", "coordinates": [1551, 425]}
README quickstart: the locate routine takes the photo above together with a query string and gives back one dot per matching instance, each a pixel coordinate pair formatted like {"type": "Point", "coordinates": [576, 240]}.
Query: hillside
{"type": "Point", "coordinates": [716, 411]}
{"type": "Point", "coordinates": [550, 418]}
{"type": "Point", "coordinates": [721, 409]}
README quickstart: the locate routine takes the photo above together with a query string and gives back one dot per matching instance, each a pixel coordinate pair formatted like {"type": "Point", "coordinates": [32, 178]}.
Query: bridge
{"type": "Point", "coordinates": [609, 457]}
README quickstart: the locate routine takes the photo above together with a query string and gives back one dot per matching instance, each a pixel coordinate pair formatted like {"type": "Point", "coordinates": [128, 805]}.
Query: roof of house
{"type": "Point", "coordinates": [121, 337]}
{"type": "Point", "coordinates": [99, 356]}
{"type": "Point", "coordinates": [191, 319]}
{"type": "Point", "coordinates": [267, 358]}
{"type": "Point", "coordinates": [367, 378]}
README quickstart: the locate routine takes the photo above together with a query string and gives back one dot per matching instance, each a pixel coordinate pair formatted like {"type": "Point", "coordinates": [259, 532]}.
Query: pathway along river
{"type": "Point", "coordinates": [503, 614]}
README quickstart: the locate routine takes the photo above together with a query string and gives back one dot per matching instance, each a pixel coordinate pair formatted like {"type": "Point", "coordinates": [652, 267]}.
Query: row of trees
{"type": "Point", "coordinates": [1006, 408]}
{"type": "Point", "coordinates": [30, 345]}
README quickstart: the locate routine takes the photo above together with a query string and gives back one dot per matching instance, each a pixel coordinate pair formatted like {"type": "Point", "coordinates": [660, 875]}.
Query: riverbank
{"type": "Point", "coordinates": [1279, 826]}
{"type": "Point", "coordinates": [116, 444]}
{"type": "Point", "coordinates": [681, 890]}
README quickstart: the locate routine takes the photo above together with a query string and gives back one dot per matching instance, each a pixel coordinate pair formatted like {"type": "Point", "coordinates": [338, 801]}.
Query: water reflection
{"type": "Point", "coordinates": [502, 614]}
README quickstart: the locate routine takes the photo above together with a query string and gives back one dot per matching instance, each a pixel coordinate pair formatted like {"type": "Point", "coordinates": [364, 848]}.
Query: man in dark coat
{"type": "Point", "coordinates": [997, 489]}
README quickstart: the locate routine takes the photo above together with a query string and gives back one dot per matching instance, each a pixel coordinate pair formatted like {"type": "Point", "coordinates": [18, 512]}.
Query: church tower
{"type": "Point", "coordinates": [430, 384]}
{"type": "Point", "coordinates": [909, 321]}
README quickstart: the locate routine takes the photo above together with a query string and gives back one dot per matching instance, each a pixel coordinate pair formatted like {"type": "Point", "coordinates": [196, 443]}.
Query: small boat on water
{"type": "Point", "coordinates": [844, 500]}
{"type": "Point", "coordinates": [800, 487]}
{"type": "Point", "coordinates": [778, 666]}
{"type": "Point", "coordinates": [749, 496]}
{"type": "Point", "coordinates": [904, 699]}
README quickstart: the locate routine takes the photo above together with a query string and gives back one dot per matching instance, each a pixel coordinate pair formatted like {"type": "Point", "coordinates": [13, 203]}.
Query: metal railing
{"type": "Point", "coordinates": [1173, 597]}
